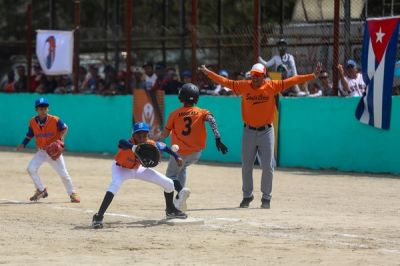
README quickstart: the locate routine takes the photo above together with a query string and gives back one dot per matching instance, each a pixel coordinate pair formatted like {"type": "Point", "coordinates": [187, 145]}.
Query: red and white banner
{"type": "Point", "coordinates": [54, 50]}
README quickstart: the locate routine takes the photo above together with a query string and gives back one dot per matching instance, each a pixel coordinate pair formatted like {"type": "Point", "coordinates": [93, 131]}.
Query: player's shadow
{"type": "Point", "coordinates": [121, 224]}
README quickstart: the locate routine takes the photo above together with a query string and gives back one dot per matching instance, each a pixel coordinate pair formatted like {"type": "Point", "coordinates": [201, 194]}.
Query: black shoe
{"type": "Point", "coordinates": [265, 204]}
{"type": "Point", "coordinates": [174, 213]}
{"type": "Point", "coordinates": [97, 221]}
{"type": "Point", "coordinates": [246, 202]}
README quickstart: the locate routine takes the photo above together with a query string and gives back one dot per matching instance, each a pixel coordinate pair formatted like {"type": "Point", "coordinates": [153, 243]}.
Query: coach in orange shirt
{"type": "Point", "coordinates": [258, 107]}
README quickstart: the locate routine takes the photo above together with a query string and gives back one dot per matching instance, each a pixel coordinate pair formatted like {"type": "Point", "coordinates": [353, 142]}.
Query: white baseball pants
{"type": "Point", "coordinates": [58, 165]}
{"type": "Point", "coordinates": [120, 174]}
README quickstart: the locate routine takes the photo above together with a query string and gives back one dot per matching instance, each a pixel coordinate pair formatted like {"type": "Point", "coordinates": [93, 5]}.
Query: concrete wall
{"type": "Point", "coordinates": [313, 133]}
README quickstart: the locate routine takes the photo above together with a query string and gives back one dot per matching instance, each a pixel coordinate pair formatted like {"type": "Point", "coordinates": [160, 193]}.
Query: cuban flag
{"type": "Point", "coordinates": [378, 62]}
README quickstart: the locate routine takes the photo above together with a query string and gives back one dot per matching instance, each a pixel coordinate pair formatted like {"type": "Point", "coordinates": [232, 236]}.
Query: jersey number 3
{"type": "Point", "coordinates": [188, 126]}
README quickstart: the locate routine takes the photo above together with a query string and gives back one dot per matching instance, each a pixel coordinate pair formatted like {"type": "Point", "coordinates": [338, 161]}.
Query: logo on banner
{"type": "Point", "coordinates": [148, 114]}
{"type": "Point", "coordinates": [50, 51]}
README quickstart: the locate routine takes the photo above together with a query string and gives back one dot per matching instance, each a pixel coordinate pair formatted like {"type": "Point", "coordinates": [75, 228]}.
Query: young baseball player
{"type": "Point", "coordinates": [46, 129]}
{"type": "Point", "coordinates": [127, 166]}
{"type": "Point", "coordinates": [187, 128]}
{"type": "Point", "coordinates": [258, 110]}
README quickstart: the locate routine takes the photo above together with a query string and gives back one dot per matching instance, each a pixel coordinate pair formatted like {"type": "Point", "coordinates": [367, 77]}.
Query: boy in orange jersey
{"type": "Point", "coordinates": [258, 110]}
{"type": "Point", "coordinates": [187, 128]}
{"type": "Point", "coordinates": [47, 129]}
{"type": "Point", "coordinates": [127, 166]}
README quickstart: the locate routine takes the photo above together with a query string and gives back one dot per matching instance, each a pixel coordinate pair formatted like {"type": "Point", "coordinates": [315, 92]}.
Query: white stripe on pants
{"type": "Point", "coordinates": [120, 174]}
{"type": "Point", "coordinates": [58, 165]}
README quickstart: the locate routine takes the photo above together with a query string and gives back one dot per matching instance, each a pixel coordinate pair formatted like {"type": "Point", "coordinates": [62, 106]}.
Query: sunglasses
{"type": "Point", "coordinates": [257, 75]}
{"type": "Point", "coordinates": [323, 77]}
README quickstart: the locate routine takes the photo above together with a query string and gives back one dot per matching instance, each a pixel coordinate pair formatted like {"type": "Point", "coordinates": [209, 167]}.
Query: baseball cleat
{"type": "Point", "coordinates": [75, 198]}
{"type": "Point", "coordinates": [265, 204]}
{"type": "Point", "coordinates": [174, 213]}
{"type": "Point", "coordinates": [97, 221]}
{"type": "Point", "coordinates": [180, 202]}
{"type": "Point", "coordinates": [246, 202]}
{"type": "Point", "coordinates": [39, 195]}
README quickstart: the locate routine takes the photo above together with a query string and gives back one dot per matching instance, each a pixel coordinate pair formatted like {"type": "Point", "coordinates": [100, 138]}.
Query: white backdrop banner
{"type": "Point", "coordinates": [54, 50]}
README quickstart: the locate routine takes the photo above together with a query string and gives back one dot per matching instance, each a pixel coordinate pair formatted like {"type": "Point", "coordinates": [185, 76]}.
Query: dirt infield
{"type": "Point", "coordinates": [316, 218]}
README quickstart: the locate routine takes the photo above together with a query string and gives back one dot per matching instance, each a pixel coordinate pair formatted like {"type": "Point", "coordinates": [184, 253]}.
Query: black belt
{"type": "Point", "coordinates": [258, 128]}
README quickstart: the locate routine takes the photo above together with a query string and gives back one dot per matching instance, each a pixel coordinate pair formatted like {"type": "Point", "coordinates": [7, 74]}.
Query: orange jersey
{"type": "Point", "coordinates": [258, 104]}
{"type": "Point", "coordinates": [187, 126]}
{"type": "Point", "coordinates": [46, 133]}
{"type": "Point", "coordinates": [127, 158]}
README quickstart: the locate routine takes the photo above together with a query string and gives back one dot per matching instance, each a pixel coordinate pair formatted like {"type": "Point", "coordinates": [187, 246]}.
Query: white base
{"type": "Point", "coordinates": [187, 221]}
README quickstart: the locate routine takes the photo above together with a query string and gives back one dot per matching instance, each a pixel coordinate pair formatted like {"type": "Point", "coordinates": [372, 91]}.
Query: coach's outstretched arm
{"type": "Point", "coordinates": [217, 78]}
{"type": "Point", "coordinates": [298, 79]}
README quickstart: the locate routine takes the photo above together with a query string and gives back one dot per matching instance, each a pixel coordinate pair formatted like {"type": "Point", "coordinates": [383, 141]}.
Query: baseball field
{"type": "Point", "coordinates": [316, 218]}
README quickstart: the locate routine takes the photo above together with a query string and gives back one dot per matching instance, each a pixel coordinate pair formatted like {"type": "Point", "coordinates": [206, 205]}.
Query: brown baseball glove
{"type": "Point", "coordinates": [55, 149]}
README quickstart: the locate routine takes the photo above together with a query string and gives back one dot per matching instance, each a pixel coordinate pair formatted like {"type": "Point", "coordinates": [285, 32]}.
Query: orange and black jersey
{"type": "Point", "coordinates": [187, 126]}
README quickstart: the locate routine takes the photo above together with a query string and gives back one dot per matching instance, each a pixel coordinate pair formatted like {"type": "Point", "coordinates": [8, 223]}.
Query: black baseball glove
{"type": "Point", "coordinates": [148, 154]}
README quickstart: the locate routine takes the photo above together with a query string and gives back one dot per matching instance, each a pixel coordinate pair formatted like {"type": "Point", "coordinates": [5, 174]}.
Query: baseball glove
{"type": "Point", "coordinates": [55, 149]}
{"type": "Point", "coordinates": [148, 154]}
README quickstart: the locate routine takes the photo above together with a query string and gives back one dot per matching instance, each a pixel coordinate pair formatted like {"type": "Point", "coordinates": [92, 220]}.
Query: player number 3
{"type": "Point", "coordinates": [188, 126]}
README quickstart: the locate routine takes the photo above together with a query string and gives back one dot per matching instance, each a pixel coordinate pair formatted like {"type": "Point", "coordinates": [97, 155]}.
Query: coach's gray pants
{"type": "Point", "coordinates": [254, 141]}
{"type": "Point", "coordinates": [179, 173]}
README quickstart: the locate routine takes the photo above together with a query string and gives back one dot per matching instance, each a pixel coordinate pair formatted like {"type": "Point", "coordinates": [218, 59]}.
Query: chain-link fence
{"type": "Point", "coordinates": [225, 32]}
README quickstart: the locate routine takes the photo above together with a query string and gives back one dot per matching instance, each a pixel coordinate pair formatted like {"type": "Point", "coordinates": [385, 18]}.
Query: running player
{"type": "Point", "coordinates": [47, 129]}
{"type": "Point", "coordinates": [187, 128]}
{"type": "Point", "coordinates": [127, 166]}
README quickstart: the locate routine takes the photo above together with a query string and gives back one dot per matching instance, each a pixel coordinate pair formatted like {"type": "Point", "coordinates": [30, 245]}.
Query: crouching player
{"type": "Point", "coordinates": [127, 166]}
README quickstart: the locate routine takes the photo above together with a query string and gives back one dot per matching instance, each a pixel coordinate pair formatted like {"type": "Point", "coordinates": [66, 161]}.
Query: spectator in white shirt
{"type": "Point", "coordinates": [351, 81]}
{"type": "Point", "coordinates": [149, 76]}
{"type": "Point", "coordinates": [283, 58]}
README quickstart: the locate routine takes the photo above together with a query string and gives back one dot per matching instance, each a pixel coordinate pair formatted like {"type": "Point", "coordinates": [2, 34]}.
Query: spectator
{"type": "Point", "coordinates": [120, 87]}
{"type": "Point", "coordinates": [351, 81]}
{"type": "Point", "coordinates": [90, 83]}
{"type": "Point", "coordinates": [50, 84]}
{"type": "Point", "coordinates": [219, 89]}
{"type": "Point", "coordinates": [110, 76]}
{"type": "Point", "coordinates": [138, 80]}
{"type": "Point", "coordinates": [82, 76]}
{"type": "Point", "coordinates": [326, 84]}
{"type": "Point", "coordinates": [64, 85]}
{"type": "Point", "coordinates": [240, 75]}
{"type": "Point", "coordinates": [149, 76]}
{"type": "Point", "coordinates": [186, 76]}
{"type": "Point", "coordinates": [283, 58]}
{"type": "Point", "coordinates": [162, 77]}
{"type": "Point", "coordinates": [22, 83]}
{"type": "Point", "coordinates": [36, 78]}
{"type": "Point", "coordinates": [315, 90]}
{"type": "Point", "coordinates": [9, 85]}
{"type": "Point", "coordinates": [204, 84]}
{"type": "Point", "coordinates": [303, 90]}
{"type": "Point", "coordinates": [173, 85]}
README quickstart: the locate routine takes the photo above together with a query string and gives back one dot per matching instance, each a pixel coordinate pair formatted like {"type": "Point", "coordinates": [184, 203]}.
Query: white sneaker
{"type": "Point", "coordinates": [180, 203]}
